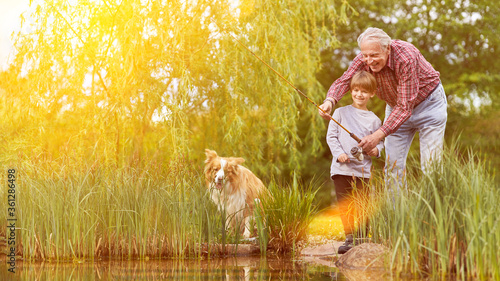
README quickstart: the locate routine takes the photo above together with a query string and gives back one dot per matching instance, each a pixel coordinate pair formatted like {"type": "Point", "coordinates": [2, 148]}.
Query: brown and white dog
{"type": "Point", "coordinates": [233, 188]}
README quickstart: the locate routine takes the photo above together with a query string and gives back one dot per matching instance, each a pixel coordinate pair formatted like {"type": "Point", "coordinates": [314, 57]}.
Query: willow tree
{"type": "Point", "coordinates": [121, 82]}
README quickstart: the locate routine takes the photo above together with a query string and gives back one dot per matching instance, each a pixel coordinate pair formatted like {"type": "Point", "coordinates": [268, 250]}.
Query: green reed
{"type": "Point", "coordinates": [446, 222]}
{"type": "Point", "coordinates": [69, 212]}
{"type": "Point", "coordinates": [282, 218]}
{"type": "Point", "coordinates": [88, 212]}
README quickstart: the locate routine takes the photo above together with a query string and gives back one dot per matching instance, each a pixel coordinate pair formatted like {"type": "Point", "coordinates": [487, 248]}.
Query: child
{"type": "Point", "coordinates": [346, 170]}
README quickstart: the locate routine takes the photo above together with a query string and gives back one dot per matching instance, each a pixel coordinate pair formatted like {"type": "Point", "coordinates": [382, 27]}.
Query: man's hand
{"type": "Point", "coordinates": [373, 152]}
{"type": "Point", "coordinates": [343, 158]}
{"type": "Point", "coordinates": [369, 142]}
{"type": "Point", "coordinates": [327, 107]}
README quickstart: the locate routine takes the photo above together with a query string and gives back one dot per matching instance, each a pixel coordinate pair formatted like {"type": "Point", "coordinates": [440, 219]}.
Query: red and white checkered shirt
{"type": "Point", "coordinates": [405, 81]}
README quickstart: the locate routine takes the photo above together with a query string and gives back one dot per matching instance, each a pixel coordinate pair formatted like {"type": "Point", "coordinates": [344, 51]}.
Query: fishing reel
{"type": "Point", "coordinates": [357, 152]}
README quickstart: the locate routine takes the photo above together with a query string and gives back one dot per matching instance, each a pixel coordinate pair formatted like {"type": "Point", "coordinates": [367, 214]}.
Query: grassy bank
{"type": "Point", "coordinates": [86, 212]}
{"type": "Point", "coordinates": [92, 212]}
{"type": "Point", "coordinates": [447, 223]}
{"type": "Point", "coordinates": [283, 218]}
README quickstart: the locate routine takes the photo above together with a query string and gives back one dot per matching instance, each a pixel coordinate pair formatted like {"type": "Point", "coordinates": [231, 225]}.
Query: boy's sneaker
{"type": "Point", "coordinates": [348, 244]}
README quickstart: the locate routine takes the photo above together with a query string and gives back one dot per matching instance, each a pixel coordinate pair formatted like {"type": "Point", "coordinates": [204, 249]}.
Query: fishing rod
{"type": "Point", "coordinates": [296, 89]}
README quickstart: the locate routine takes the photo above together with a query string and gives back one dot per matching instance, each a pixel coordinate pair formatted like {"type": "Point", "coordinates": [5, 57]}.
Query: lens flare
{"type": "Point", "coordinates": [328, 224]}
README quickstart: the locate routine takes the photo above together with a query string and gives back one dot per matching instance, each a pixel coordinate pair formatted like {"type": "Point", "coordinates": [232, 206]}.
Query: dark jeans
{"type": "Point", "coordinates": [352, 193]}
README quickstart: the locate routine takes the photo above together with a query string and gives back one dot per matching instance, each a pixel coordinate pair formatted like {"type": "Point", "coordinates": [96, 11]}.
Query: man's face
{"type": "Point", "coordinates": [373, 55]}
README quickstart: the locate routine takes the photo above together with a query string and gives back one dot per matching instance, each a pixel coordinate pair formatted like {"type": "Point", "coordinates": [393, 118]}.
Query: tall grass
{"type": "Point", "coordinates": [78, 212]}
{"type": "Point", "coordinates": [283, 218]}
{"type": "Point", "coordinates": [88, 212]}
{"type": "Point", "coordinates": [447, 222]}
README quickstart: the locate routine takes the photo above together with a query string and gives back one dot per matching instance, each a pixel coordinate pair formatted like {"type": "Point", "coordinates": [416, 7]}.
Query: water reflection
{"type": "Point", "coordinates": [254, 268]}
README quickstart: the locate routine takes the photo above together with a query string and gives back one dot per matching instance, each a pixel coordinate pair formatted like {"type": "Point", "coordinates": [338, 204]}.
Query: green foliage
{"type": "Point", "coordinates": [127, 81]}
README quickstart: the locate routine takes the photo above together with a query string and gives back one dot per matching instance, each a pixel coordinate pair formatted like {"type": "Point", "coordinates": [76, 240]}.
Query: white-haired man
{"type": "Point", "coordinates": [416, 101]}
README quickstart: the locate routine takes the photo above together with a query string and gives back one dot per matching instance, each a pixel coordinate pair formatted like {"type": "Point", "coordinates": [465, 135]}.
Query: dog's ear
{"type": "Point", "coordinates": [211, 154]}
{"type": "Point", "coordinates": [236, 161]}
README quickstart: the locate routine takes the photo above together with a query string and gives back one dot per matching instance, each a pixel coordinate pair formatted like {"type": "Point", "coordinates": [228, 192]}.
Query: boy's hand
{"type": "Point", "coordinates": [343, 158]}
{"type": "Point", "coordinates": [373, 152]}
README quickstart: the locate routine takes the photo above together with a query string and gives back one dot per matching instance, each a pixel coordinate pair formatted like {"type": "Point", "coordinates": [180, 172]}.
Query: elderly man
{"type": "Point", "coordinates": [416, 101]}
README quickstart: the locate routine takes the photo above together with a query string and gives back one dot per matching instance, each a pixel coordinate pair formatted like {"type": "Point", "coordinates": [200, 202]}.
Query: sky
{"type": "Point", "coordinates": [10, 10]}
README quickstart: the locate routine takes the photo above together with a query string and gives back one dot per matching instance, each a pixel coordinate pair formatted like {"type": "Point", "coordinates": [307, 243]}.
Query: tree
{"type": "Point", "coordinates": [126, 82]}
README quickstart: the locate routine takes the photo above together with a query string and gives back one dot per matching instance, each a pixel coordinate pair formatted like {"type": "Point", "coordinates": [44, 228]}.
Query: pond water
{"type": "Point", "coordinates": [240, 268]}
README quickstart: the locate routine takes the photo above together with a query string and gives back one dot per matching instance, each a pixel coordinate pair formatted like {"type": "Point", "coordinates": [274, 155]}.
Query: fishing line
{"type": "Point", "coordinates": [293, 86]}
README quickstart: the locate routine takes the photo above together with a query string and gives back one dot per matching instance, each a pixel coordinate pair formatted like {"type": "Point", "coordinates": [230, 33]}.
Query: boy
{"type": "Point", "coordinates": [346, 170]}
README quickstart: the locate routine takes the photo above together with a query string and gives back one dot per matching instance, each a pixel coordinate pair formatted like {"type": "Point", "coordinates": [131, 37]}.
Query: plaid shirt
{"type": "Point", "coordinates": [405, 81]}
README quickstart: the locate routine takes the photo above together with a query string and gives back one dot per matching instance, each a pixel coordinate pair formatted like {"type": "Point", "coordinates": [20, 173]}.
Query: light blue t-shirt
{"type": "Point", "coordinates": [359, 122]}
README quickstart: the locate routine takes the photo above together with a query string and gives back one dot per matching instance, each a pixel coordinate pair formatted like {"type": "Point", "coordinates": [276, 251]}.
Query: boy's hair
{"type": "Point", "coordinates": [364, 80]}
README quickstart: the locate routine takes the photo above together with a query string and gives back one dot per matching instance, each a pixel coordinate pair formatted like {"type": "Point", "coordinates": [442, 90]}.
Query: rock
{"type": "Point", "coordinates": [363, 262]}
{"type": "Point", "coordinates": [365, 256]}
